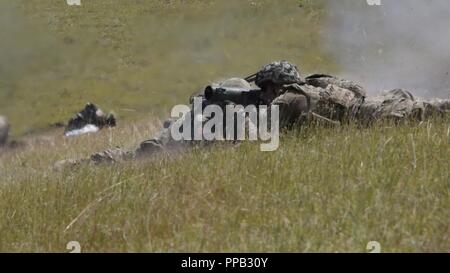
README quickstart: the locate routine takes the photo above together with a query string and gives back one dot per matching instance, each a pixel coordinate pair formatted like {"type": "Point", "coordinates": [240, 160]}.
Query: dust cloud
{"type": "Point", "coordinates": [400, 44]}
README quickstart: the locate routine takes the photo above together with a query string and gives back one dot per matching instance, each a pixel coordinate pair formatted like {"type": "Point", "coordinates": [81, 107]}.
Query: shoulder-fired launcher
{"type": "Point", "coordinates": [239, 96]}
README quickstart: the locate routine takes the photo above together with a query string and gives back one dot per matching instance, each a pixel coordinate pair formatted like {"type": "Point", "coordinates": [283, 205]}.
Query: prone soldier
{"type": "Point", "coordinates": [318, 97]}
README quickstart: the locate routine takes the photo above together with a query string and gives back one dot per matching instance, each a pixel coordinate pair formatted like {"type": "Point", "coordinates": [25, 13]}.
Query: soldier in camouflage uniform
{"type": "Point", "coordinates": [275, 80]}
{"type": "Point", "coordinates": [318, 97]}
{"type": "Point", "coordinates": [333, 100]}
{"type": "Point", "coordinates": [321, 98]}
{"type": "Point", "coordinates": [163, 142]}
{"type": "Point", "coordinates": [399, 105]}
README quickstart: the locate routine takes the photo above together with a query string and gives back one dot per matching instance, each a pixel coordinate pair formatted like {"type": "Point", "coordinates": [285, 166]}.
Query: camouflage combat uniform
{"type": "Point", "coordinates": [336, 100]}
{"type": "Point", "coordinates": [318, 97]}
{"type": "Point", "coordinates": [164, 142]}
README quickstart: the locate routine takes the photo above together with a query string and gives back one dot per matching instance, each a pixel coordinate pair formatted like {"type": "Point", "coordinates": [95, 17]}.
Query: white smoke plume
{"type": "Point", "coordinates": [400, 44]}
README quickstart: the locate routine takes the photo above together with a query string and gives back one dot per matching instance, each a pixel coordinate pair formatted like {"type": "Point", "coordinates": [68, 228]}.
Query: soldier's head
{"type": "Point", "coordinates": [274, 75]}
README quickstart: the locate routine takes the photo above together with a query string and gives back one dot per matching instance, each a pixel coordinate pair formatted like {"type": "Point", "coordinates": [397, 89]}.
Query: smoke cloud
{"type": "Point", "coordinates": [400, 44]}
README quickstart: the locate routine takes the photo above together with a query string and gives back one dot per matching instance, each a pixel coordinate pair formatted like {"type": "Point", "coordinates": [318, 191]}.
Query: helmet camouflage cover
{"type": "Point", "coordinates": [281, 72]}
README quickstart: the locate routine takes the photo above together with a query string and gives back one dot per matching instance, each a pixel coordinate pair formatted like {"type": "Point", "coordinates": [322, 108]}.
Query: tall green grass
{"type": "Point", "coordinates": [322, 190]}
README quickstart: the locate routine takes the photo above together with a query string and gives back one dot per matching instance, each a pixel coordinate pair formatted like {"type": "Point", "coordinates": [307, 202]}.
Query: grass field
{"type": "Point", "coordinates": [324, 189]}
{"type": "Point", "coordinates": [138, 58]}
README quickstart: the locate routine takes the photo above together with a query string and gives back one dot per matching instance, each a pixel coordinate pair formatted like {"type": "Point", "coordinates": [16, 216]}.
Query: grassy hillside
{"type": "Point", "coordinates": [323, 190]}
{"type": "Point", "coordinates": [139, 57]}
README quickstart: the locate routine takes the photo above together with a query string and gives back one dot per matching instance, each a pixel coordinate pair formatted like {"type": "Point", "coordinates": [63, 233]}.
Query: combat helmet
{"type": "Point", "coordinates": [280, 72]}
{"type": "Point", "coordinates": [236, 83]}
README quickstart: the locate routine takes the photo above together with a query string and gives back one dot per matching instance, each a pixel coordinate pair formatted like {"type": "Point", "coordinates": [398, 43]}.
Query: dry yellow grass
{"type": "Point", "coordinates": [323, 190]}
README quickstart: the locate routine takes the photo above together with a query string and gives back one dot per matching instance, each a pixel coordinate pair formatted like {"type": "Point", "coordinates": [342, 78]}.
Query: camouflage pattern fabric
{"type": "Point", "coordinates": [395, 105]}
{"type": "Point", "coordinates": [335, 103]}
{"type": "Point", "coordinates": [327, 97]}
{"type": "Point", "coordinates": [332, 103]}
{"type": "Point", "coordinates": [323, 81]}
{"type": "Point", "coordinates": [340, 101]}
{"type": "Point", "coordinates": [163, 141]}
{"type": "Point", "coordinates": [278, 73]}
{"type": "Point", "coordinates": [292, 108]}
